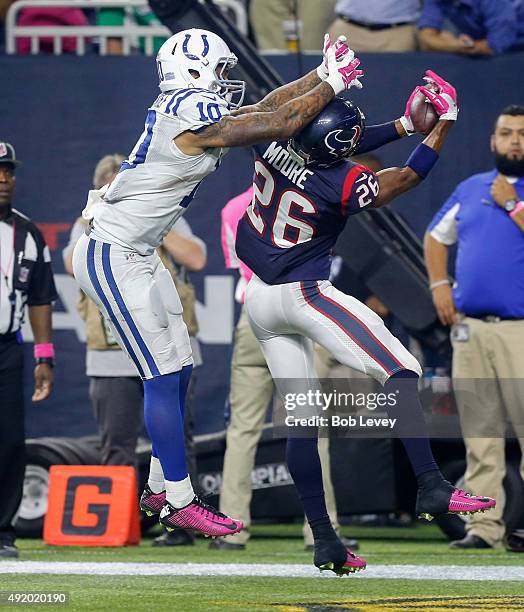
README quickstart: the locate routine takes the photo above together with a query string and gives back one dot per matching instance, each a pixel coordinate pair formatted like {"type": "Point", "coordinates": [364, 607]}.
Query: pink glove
{"type": "Point", "coordinates": [405, 120]}
{"type": "Point", "coordinates": [442, 96]}
{"type": "Point", "coordinates": [343, 74]}
{"type": "Point", "coordinates": [341, 49]}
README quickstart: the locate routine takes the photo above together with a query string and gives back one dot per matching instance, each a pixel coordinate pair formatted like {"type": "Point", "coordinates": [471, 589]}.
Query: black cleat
{"type": "Point", "coordinates": [332, 555]}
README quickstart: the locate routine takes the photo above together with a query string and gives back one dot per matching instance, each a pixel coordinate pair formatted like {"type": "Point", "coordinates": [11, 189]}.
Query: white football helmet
{"type": "Point", "coordinates": [198, 58]}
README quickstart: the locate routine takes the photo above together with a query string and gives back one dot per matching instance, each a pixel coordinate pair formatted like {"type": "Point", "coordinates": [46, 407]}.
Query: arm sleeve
{"type": "Point", "coordinates": [432, 15]}
{"type": "Point", "coordinates": [376, 136]}
{"type": "Point", "coordinates": [443, 226]}
{"type": "Point", "coordinates": [500, 21]}
{"type": "Point", "coordinates": [42, 288]}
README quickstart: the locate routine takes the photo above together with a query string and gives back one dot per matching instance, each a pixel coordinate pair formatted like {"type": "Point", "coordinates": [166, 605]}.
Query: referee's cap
{"type": "Point", "coordinates": [8, 155]}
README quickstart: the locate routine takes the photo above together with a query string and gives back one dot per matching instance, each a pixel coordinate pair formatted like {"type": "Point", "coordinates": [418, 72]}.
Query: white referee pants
{"type": "Point", "coordinates": [288, 318]}
{"type": "Point", "coordinates": [138, 298]}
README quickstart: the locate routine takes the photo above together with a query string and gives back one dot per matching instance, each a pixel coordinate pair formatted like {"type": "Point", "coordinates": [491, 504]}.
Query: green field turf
{"type": "Point", "coordinates": [423, 545]}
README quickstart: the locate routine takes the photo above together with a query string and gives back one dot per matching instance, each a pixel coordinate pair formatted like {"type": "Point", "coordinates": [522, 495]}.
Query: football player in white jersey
{"type": "Point", "coordinates": [187, 130]}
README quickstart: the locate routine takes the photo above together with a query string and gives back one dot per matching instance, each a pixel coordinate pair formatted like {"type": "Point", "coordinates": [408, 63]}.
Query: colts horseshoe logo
{"type": "Point", "coordinates": [191, 56]}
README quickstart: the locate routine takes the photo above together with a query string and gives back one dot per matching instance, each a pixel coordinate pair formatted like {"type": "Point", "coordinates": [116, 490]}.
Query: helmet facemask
{"type": "Point", "coordinates": [232, 90]}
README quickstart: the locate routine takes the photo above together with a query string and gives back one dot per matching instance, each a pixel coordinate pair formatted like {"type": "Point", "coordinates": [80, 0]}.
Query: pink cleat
{"type": "Point", "coordinates": [152, 503]}
{"type": "Point", "coordinates": [445, 499]}
{"type": "Point", "coordinates": [353, 564]}
{"type": "Point", "coordinates": [464, 503]}
{"type": "Point", "coordinates": [201, 517]}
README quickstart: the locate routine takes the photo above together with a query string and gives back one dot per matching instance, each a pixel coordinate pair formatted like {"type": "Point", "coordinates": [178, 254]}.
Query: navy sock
{"type": "Point", "coordinates": [163, 419]}
{"type": "Point", "coordinates": [304, 466]}
{"type": "Point", "coordinates": [410, 419]}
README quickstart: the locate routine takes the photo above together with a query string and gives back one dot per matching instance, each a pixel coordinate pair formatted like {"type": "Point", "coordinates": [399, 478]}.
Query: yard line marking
{"type": "Point", "coordinates": [412, 572]}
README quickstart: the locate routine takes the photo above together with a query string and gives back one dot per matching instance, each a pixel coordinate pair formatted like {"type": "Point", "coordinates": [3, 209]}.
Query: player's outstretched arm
{"type": "Point", "coordinates": [395, 181]}
{"type": "Point", "coordinates": [280, 124]}
{"type": "Point", "coordinates": [251, 128]}
{"type": "Point", "coordinates": [275, 99]}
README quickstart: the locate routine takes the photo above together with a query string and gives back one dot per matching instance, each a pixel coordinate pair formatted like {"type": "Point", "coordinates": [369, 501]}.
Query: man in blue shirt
{"type": "Point", "coordinates": [483, 27]}
{"type": "Point", "coordinates": [377, 26]}
{"type": "Point", "coordinates": [485, 216]}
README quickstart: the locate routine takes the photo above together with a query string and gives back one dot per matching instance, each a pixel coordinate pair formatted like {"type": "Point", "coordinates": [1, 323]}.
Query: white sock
{"type": "Point", "coordinates": [156, 476]}
{"type": "Point", "coordinates": [179, 493]}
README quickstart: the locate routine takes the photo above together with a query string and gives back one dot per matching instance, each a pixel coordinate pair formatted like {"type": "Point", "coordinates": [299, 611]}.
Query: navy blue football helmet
{"type": "Point", "coordinates": [332, 136]}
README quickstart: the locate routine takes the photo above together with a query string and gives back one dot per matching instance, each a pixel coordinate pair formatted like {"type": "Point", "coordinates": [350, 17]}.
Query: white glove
{"type": "Point", "coordinates": [341, 49]}
{"type": "Point", "coordinates": [343, 74]}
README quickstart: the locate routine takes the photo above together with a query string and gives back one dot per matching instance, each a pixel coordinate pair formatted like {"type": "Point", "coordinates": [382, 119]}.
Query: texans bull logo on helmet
{"type": "Point", "coordinates": [333, 141]}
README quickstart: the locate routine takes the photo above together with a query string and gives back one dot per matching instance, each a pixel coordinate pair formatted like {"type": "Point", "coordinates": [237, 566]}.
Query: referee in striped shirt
{"type": "Point", "coordinates": [25, 278]}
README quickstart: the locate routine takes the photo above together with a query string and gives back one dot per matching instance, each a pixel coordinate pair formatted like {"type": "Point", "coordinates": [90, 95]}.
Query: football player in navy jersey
{"type": "Point", "coordinates": [304, 191]}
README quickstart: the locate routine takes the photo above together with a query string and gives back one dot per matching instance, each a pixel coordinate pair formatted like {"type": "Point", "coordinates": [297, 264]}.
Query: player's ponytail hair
{"type": "Point", "coordinates": [106, 168]}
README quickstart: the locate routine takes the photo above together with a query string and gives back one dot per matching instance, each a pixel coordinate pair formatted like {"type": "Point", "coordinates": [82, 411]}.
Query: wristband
{"type": "Point", "coordinates": [49, 360]}
{"type": "Point", "coordinates": [45, 351]}
{"type": "Point", "coordinates": [322, 72]}
{"type": "Point", "coordinates": [439, 283]}
{"type": "Point", "coordinates": [422, 160]}
{"type": "Point", "coordinates": [407, 124]}
{"type": "Point", "coordinates": [517, 209]}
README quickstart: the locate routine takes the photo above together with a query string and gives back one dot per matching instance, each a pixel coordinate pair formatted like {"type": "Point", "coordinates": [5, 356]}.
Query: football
{"type": "Point", "coordinates": [422, 114]}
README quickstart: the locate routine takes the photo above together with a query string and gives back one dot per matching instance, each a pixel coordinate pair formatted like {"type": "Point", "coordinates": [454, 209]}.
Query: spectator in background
{"type": "Point", "coordinates": [483, 27]}
{"type": "Point", "coordinates": [485, 216]}
{"type": "Point", "coordinates": [138, 16]}
{"type": "Point", "coordinates": [277, 27]}
{"type": "Point", "coordinates": [115, 389]}
{"type": "Point", "coordinates": [377, 25]}
{"type": "Point", "coordinates": [49, 16]}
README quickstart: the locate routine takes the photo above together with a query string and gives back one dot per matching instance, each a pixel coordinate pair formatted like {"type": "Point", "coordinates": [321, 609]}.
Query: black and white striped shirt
{"type": "Point", "coordinates": [26, 276]}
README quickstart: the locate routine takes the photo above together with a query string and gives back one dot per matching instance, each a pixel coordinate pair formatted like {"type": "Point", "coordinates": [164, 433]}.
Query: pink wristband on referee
{"type": "Point", "coordinates": [44, 350]}
{"type": "Point", "coordinates": [517, 209]}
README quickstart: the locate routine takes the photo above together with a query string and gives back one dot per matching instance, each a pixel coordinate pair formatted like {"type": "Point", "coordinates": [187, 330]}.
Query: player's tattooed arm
{"type": "Point", "coordinates": [276, 98]}
{"type": "Point", "coordinates": [395, 181]}
{"type": "Point", "coordinates": [251, 128]}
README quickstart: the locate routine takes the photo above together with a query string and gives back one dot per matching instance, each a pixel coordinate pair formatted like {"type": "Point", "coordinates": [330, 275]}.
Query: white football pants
{"type": "Point", "coordinates": [137, 296]}
{"type": "Point", "coordinates": [288, 318]}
